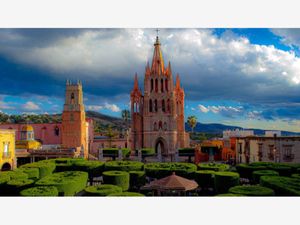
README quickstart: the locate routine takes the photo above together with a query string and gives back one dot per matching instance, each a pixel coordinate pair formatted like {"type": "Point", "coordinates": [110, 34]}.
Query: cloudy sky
{"type": "Point", "coordinates": [245, 77]}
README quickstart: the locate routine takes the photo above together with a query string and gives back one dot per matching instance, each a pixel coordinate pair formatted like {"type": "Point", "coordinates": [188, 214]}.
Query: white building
{"type": "Point", "coordinates": [268, 149]}
{"type": "Point", "coordinates": [272, 133]}
{"type": "Point", "coordinates": [237, 133]}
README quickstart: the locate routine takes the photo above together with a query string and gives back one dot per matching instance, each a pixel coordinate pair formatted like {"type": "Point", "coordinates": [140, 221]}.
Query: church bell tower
{"type": "Point", "coordinates": [74, 130]}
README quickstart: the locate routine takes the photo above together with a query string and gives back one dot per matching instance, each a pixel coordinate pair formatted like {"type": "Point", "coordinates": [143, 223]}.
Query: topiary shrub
{"type": "Point", "coordinates": [127, 194]}
{"type": "Point", "coordinates": [228, 195]}
{"type": "Point", "coordinates": [282, 169]}
{"type": "Point", "coordinates": [45, 168]}
{"type": "Point", "coordinates": [257, 174]}
{"type": "Point", "coordinates": [137, 179]}
{"type": "Point", "coordinates": [68, 183]}
{"type": "Point", "coordinates": [93, 168]}
{"type": "Point", "coordinates": [160, 170]}
{"type": "Point", "coordinates": [114, 152]}
{"type": "Point", "coordinates": [15, 174]}
{"type": "Point", "coordinates": [146, 152]}
{"type": "Point", "coordinates": [226, 180]}
{"type": "Point", "coordinates": [283, 186]}
{"type": "Point", "coordinates": [205, 178]}
{"type": "Point", "coordinates": [33, 173]}
{"type": "Point", "coordinates": [102, 190]}
{"type": "Point", "coordinates": [124, 166]}
{"type": "Point", "coordinates": [296, 175]}
{"type": "Point", "coordinates": [16, 185]}
{"type": "Point", "coordinates": [251, 190]}
{"type": "Point", "coordinates": [40, 191]}
{"type": "Point", "coordinates": [245, 171]}
{"type": "Point", "coordinates": [119, 178]}
{"type": "Point", "coordinates": [213, 166]}
{"type": "Point", "coordinates": [3, 181]}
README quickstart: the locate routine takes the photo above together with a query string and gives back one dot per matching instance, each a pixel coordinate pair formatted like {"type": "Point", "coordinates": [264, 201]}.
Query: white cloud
{"type": "Point", "coordinates": [203, 108]}
{"type": "Point", "coordinates": [94, 107]}
{"type": "Point", "coordinates": [290, 37]}
{"type": "Point", "coordinates": [4, 105]}
{"type": "Point", "coordinates": [112, 107]}
{"type": "Point", "coordinates": [30, 106]}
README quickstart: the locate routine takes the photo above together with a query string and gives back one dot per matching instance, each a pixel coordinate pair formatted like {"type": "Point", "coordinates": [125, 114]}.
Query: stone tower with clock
{"type": "Point", "coordinates": [74, 126]}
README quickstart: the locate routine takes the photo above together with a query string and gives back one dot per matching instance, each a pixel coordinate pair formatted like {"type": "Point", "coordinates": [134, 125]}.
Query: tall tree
{"type": "Point", "coordinates": [192, 121]}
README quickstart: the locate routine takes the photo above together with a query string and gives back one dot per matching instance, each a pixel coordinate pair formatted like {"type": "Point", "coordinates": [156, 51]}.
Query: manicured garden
{"type": "Point", "coordinates": [79, 177]}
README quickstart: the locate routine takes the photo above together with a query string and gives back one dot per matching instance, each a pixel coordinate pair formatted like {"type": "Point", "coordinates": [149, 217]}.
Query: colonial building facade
{"type": "Point", "coordinates": [158, 114]}
{"type": "Point", "coordinates": [267, 149]}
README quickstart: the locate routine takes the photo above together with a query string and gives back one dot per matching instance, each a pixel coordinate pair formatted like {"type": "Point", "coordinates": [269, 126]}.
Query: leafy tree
{"type": "Point", "coordinates": [192, 121]}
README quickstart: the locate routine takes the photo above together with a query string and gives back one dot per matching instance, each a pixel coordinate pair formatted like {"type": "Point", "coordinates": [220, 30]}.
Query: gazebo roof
{"type": "Point", "coordinates": [172, 182]}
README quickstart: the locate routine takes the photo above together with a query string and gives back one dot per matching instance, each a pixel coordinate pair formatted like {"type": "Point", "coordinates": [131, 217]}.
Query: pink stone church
{"type": "Point", "coordinates": [158, 114]}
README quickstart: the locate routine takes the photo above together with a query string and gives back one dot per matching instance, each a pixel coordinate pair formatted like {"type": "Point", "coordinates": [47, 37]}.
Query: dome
{"type": "Point", "coordinates": [27, 128]}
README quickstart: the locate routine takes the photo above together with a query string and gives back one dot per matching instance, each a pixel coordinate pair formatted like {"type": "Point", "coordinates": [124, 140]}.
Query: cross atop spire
{"type": "Point", "coordinates": [157, 60]}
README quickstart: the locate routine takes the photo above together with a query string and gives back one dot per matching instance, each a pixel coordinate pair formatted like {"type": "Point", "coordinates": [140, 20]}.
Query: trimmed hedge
{"type": "Point", "coordinates": [283, 186]}
{"type": "Point", "coordinates": [246, 171]}
{"type": "Point", "coordinates": [127, 194]}
{"type": "Point", "coordinates": [68, 183]}
{"type": "Point", "coordinates": [45, 168]}
{"type": "Point", "coordinates": [16, 185]}
{"type": "Point", "coordinates": [282, 169]}
{"type": "Point", "coordinates": [205, 178]}
{"type": "Point", "coordinates": [137, 179]}
{"type": "Point", "coordinates": [229, 195]}
{"type": "Point", "coordinates": [146, 152]}
{"type": "Point", "coordinates": [114, 152]}
{"type": "Point", "coordinates": [124, 166]}
{"type": "Point", "coordinates": [160, 170]}
{"type": "Point", "coordinates": [38, 191]}
{"type": "Point", "coordinates": [186, 152]}
{"type": "Point", "coordinates": [257, 174]}
{"type": "Point", "coordinates": [296, 175]}
{"type": "Point", "coordinates": [213, 166]}
{"type": "Point", "coordinates": [33, 173]}
{"type": "Point", "coordinates": [226, 180]}
{"type": "Point", "coordinates": [93, 168]}
{"type": "Point", "coordinates": [119, 178]}
{"type": "Point", "coordinates": [15, 174]}
{"type": "Point", "coordinates": [102, 190]}
{"type": "Point", "coordinates": [252, 190]}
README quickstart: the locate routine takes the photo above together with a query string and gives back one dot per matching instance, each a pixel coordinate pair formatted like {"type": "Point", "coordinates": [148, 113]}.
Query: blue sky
{"type": "Point", "coordinates": [245, 77]}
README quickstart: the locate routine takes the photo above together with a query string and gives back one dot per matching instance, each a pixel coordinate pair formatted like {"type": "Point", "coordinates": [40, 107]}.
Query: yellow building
{"type": "Point", "coordinates": [7, 149]}
{"type": "Point", "coordinates": [27, 139]}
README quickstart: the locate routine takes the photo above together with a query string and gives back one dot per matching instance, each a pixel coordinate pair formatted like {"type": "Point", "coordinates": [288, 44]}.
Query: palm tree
{"type": "Point", "coordinates": [192, 122]}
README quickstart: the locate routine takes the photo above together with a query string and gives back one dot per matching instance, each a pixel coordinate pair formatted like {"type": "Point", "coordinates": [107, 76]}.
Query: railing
{"type": "Point", "coordinates": [6, 155]}
{"type": "Point", "coordinates": [288, 157]}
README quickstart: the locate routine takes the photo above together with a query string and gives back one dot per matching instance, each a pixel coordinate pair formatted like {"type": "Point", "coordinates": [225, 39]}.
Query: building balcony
{"type": "Point", "coordinates": [289, 157]}
{"type": "Point", "coordinates": [6, 155]}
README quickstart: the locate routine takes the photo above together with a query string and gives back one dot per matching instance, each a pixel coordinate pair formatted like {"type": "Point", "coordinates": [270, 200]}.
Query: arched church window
{"type": "Point", "coordinates": [163, 106]}
{"type": "Point", "coordinates": [155, 126]}
{"type": "Point", "coordinates": [162, 85]}
{"type": "Point", "coordinates": [160, 125]}
{"type": "Point", "coordinates": [156, 85]}
{"type": "Point", "coordinates": [168, 105]}
{"type": "Point", "coordinates": [166, 85]}
{"type": "Point", "coordinates": [155, 105]}
{"type": "Point", "coordinates": [165, 126]}
{"type": "Point", "coordinates": [150, 105]}
{"type": "Point", "coordinates": [72, 98]}
{"type": "Point", "coordinates": [151, 85]}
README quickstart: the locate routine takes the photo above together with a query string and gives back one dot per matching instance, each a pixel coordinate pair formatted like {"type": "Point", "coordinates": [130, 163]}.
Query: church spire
{"type": "Point", "coordinates": [157, 60]}
{"type": "Point", "coordinates": [136, 83]}
{"type": "Point", "coordinates": [177, 81]}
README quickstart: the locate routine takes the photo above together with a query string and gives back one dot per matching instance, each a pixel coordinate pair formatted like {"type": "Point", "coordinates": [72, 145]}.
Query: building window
{"type": "Point", "coordinates": [156, 85]}
{"type": "Point", "coordinates": [271, 152]}
{"type": "Point", "coordinates": [150, 105]}
{"type": "Point", "coordinates": [155, 105]}
{"type": "Point", "coordinates": [160, 125]}
{"type": "Point", "coordinates": [72, 98]}
{"type": "Point", "coordinates": [56, 131]}
{"type": "Point", "coordinates": [162, 85]}
{"type": "Point", "coordinates": [166, 85]}
{"type": "Point", "coordinates": [288, 152]}
{"type": "Point", "coordinates": [163, 106]}
{"type": "Point", "coordinates": [151, 85]}
{"type": "Point", "coordinates": [260, 151]}
{"type": "Point", "coordinates": [168, 105]}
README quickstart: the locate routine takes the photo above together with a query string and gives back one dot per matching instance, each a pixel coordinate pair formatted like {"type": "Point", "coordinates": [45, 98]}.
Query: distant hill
{"type": "Point", "coordinates": [218, 128]}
